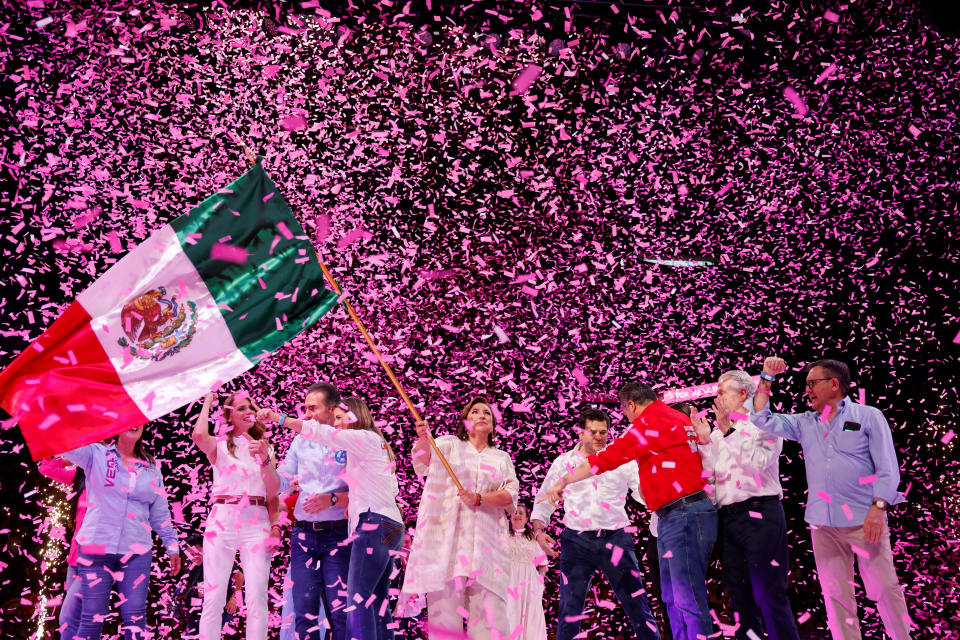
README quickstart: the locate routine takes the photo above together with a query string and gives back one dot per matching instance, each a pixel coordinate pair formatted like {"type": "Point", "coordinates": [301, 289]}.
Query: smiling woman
{"type": "Point", "coordinates": [245, 480]}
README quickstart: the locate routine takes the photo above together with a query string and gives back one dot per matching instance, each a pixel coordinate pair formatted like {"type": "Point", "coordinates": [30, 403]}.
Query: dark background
{"type": "Point", "coordinates": [836, 236]}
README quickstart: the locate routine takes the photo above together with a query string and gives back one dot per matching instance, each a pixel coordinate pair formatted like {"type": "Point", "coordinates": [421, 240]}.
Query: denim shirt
{"type": "Point", "coordinates": [850, 460]}
{"type": "Point", "coordinates": [318, 468]}
{"type": "Point", "coordinates": [122, 506]}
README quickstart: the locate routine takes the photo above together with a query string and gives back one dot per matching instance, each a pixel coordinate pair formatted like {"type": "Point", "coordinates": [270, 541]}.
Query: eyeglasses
{"type": "Point", "coordinates": [813, 382]}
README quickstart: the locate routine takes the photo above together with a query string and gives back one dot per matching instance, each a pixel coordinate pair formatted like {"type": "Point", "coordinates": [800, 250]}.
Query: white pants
{"type": "Point", "coordinates": [231, 527]}
{"type": "Point", "coordinates": [487, 614]}
{"type": "Point", "coordinates": [833, 551]}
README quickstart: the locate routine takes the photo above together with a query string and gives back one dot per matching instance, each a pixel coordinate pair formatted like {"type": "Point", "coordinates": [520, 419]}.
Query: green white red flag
{"type": "Point", "coordinates": [199, 302]}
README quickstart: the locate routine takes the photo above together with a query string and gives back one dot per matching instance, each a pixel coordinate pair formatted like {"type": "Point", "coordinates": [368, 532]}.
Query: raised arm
{"type": "Point", "coordinates": [777, 424]}
{"type": "Point", "coordinates": [201, 430]}
{"type": "Point", "coordinates": [58, 470]}
{"type": "Point", "coordinates": [422, 453]}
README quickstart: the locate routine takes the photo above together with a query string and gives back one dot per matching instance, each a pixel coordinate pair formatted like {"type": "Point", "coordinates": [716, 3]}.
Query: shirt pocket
{"type": "Point", "coordinates": [852, 442]}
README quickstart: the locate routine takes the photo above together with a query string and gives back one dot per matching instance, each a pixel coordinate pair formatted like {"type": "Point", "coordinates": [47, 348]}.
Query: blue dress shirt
{"type": "Point", "coordinates": [318, 469]}
{"type": "Point", "coordinates": [850, 460]}
{"type": "Point", "coordinates": [123, 506]}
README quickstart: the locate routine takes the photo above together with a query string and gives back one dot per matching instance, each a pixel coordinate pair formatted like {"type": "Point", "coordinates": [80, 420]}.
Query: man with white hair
{"type": "Point", "coordinates": [752, 531]}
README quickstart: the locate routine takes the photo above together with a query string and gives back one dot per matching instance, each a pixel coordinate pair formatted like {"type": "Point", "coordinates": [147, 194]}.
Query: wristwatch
{"type": "Point", "coordinates": [333, 499]}
{"type": "Point", "coordinates": [880, 503]}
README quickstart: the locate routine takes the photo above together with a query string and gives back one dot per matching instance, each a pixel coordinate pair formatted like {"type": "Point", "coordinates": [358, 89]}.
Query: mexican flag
{"type": "Point", "coordinates": [196, 304]}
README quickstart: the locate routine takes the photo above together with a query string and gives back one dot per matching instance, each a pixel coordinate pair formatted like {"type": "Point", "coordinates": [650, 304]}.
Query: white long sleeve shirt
{"type": "Point", "coordinates": [595, 503]}
{"type": "Point", "coordinates": [744, 464]}
{"type": "Point", "coordinates": [369, 473]}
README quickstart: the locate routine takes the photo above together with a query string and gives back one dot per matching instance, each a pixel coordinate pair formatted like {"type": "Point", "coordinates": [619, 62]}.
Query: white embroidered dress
{"type": "Point", "coordinates": [525, 593]}
{"type": "Point", "coordinates": [453, 540]}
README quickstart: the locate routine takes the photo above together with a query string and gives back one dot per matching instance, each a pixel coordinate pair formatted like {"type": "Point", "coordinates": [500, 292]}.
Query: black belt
{"type": "Point", "coordinates": [679, 502]}
{"type": "Point", "coordinates": [746, 505]}
{"type": "Point", "coordinates": [595, 533]}
{"type": "Point", "coordinates": [325, 525]}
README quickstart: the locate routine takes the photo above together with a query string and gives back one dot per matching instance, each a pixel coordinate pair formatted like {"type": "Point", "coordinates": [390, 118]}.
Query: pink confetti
{"type": "Point", "coordinates": [293, 123]}
{"type": "Point", "coordinates": [523, 82]}
{"type": "Point", "coordinates": [799, 106]}
{"type": "Point", "coordinates": [228, 253]}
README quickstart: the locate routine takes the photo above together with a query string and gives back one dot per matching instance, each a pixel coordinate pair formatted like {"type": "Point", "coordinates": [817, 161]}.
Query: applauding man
{"type": "Point", "coordinates": [752, 534]}
{"type": "Point", "coordinates": [852, 475]}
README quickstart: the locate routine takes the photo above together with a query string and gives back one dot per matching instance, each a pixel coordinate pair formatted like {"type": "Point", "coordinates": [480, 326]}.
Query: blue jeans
{"type": "Point", "coordinates": [368, 585]}
{"type": "Point", "coordinates": [318, 567]}
{"type": "Point", "coordinates": [96, 583]}
{"type": "Point", "coordinates": [70, 608]}
{"type": "Point", "coordinates": [685, 539]}
{"type": "Point", "coordinates": [758, 587]}
{"type": "Point", "coordinates": [581, 555]}
{"type": "Point", "coordinates": [288, 618]}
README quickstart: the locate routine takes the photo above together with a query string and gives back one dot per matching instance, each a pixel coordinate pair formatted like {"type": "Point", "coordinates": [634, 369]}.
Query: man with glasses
{"type": "Point", "coordinates": [852, 477]}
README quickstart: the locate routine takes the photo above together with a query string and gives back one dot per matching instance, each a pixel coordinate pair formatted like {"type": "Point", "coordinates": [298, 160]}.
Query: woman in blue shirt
{"type": "Point", "coordinates": [126, 499]}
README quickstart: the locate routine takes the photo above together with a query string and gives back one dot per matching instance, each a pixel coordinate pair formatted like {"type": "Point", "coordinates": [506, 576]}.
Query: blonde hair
{"type": "Point", "coordinates": [256, 431]}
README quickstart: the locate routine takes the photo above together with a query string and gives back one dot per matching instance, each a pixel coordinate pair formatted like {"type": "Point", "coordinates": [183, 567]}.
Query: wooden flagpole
{"type": "Point", "coordinates": [363, 330]}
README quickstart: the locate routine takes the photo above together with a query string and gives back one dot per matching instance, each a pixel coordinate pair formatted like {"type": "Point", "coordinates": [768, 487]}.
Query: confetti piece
{"type": "Point", "coordinates": [799, 106]}
{"type": "Point", "coordinates": [228, 253]}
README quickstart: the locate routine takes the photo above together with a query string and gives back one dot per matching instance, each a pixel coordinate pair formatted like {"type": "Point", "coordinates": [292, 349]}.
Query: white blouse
{"type": "Point", "coordinates": [369, 473]}
{"type": "Point", "coordinates": [238, 473]}
{"type": "Point", "coordinates": [451, 538]}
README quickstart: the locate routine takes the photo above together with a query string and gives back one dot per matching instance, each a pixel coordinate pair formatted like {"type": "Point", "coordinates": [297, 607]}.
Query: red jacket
{"type": "Point", "coordinates": [664, 444]}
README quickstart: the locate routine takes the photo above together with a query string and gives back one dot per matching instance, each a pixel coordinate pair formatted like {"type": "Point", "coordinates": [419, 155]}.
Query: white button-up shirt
{"type": "Point", "coordinates": [744, 464]}
{"type": "Point", "coordinates": [595, 503]}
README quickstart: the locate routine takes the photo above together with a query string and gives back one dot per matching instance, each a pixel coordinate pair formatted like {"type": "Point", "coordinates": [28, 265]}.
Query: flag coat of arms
{"type": "Point", "coordinates": [199, 302]}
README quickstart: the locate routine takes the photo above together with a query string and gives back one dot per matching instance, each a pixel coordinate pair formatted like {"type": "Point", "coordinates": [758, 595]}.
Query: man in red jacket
{"type": "Point", "coordinates": [664, 444]}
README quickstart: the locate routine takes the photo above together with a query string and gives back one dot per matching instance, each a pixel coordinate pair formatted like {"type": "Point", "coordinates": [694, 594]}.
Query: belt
{"type": "Point", "coordinates": [595, 533]}
{"type": "Point", "coordinates": [325, 525]}
{"type": "Point", "coordinates": [679, 502]}
{"type": "Point", "coordinates": [745, 505]}
{"type": "Point", "coordinates": [255, 501]}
